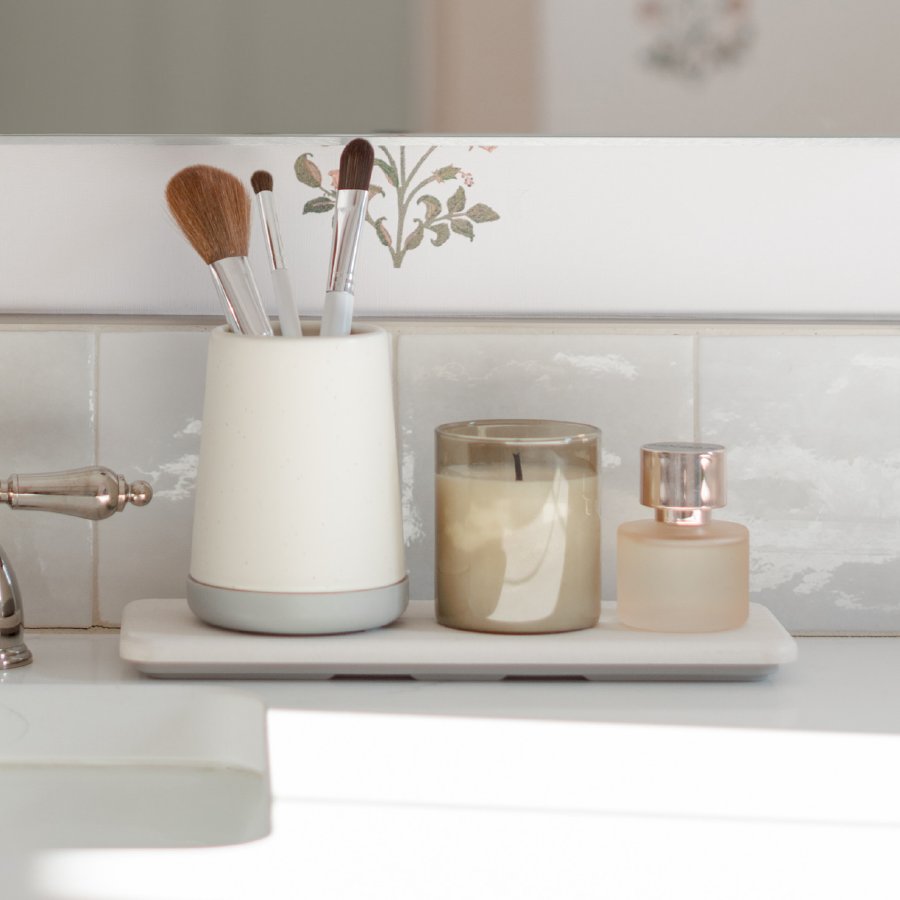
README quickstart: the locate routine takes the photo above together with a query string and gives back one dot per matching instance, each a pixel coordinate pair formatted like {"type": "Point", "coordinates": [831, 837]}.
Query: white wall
{"type": "Point", "coordinates": [806, 67]}
{"type": "Point", "coordinates": [809, 68]}
{"type": "Point", "coordinates": [203, 66]}
{"type": "Point", "coordinates": [586, 227]}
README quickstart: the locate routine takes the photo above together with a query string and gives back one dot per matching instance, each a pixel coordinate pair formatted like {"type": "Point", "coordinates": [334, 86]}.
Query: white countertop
{"type": "Point", "coordinates": [375, 834]}
{"type": "Point", "coordinates": [838, 684]}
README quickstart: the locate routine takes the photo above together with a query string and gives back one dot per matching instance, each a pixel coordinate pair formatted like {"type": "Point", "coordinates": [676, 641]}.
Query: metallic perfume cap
{"type": "Point", "coordinates": [683, 481]}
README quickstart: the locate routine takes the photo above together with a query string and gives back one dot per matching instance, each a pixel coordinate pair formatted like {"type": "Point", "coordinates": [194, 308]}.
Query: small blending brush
{"type": "Point", "coordinates": [212, 208]}
{"type": "Point", "coordinates": [350, 213]}
{"type": "Point", "coordinates": [287, 309]}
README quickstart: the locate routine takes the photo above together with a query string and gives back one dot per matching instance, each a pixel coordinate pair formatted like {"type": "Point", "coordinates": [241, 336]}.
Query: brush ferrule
{"type": "Point", "coordinates": [349, 215]}
{"type": "Point", "coordinates": [271, 231]}
{"type": "Point", "coordinates": [238, 287]}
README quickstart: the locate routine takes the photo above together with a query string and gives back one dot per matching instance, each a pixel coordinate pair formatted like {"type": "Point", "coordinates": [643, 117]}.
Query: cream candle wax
{"type": "Point", "coordinates": [518, 527]}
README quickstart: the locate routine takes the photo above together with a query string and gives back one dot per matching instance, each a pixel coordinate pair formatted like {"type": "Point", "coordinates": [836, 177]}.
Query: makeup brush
{"type": "Point", "coordinates": [262, 182]}
{"type": "Point", "coordinates": [349, 214]}
{"type": "Point", "coordinates": [212, 208]}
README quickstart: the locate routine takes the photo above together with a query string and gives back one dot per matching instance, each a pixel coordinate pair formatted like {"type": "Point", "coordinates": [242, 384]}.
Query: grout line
{"type": "Point", "coordinates": [90, 629]}
{"type": "Point", "coordinates": [696, 385]}
{"type": "Point", "coordinates": [845, 634]}
{"type": "Point", "coordinates": [95, 561]}
{"type": "Point", "coordinates": [115, 629]}
{"type": "Point", "coordinates": [514, 324]}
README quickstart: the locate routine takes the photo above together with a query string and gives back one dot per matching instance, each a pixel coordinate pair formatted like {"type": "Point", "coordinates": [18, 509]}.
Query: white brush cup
{"type": "Point", "coordinates": [298, 527]}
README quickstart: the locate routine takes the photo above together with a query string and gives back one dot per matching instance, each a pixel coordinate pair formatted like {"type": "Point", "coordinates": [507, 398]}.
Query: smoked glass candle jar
{"type": "Point", "coordinates": [517, 516]}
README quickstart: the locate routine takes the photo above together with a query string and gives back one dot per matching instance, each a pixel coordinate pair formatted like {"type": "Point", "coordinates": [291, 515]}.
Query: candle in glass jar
{"type": "Point", "coordinates": [518, 546]}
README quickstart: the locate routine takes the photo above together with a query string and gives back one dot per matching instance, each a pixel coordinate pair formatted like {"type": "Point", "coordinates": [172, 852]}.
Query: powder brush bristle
{"type": "Point", "coordinates": [212, 208]}
{"type": "Point", "coordinates": [261, 180]}
{"type": "Point", "coordinates": [356, 165]}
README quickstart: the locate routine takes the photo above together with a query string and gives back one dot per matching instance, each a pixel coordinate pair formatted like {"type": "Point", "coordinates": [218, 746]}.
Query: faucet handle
{"type": "Point", "coordinates": [92, 493]}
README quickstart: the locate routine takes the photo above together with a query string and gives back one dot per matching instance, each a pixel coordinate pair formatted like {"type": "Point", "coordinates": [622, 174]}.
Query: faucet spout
{"type": "Point", "coordinates": [13, 651]}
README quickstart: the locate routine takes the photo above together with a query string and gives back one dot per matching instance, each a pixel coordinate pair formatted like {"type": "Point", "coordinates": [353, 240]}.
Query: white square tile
{"type": "Point", "coordinates": [636, 388]}
{"type": "Point", "coordinates": [47, 411]}
{"type": "Point", "coordinates": [151, 406]}
{"type": "Point", "coordinates": [813, 433]}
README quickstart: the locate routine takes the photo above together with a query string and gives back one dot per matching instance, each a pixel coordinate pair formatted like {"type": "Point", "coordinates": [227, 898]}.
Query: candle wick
{"type": "Point", "coordinates": [518, 461]}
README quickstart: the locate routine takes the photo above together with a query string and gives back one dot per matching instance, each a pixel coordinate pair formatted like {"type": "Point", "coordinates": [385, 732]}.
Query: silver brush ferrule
{"type": "Point", "coordinates": [349, 215]}
{"type": "Point", "coordinates": [270, 229]}
{"type": "Point", "coordinates": [238, 288]}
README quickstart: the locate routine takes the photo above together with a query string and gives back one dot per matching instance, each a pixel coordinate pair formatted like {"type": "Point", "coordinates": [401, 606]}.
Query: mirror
{"type": "Point", "coordinates": [560, 67]}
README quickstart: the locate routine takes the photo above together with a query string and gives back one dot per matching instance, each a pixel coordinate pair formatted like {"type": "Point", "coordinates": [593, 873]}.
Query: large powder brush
{"type": "Point", "coordinates": [213, 210]}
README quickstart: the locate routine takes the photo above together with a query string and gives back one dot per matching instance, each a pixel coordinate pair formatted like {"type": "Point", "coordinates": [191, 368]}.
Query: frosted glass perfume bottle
{"type": "Point", "coordinates": [683, 571]}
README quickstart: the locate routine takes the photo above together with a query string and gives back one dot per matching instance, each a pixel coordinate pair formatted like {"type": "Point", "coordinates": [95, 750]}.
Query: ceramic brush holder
{"type": "Point", "coordinates": [298, 526]}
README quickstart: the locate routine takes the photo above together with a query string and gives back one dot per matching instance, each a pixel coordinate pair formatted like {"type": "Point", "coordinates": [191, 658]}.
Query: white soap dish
{"type": "Point", "coordinates": [164, 639]}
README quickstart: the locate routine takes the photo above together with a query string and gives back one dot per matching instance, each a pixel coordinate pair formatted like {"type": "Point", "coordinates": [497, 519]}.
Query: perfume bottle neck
{"type": "Point", "coordinates": [684, 516]}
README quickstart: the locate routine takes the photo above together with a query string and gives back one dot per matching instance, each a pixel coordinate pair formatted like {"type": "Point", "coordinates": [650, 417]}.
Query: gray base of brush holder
{"type": "Point", "coordinates": [326, 613]}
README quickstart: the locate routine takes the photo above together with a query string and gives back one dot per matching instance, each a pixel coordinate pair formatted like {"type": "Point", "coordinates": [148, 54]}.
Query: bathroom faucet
{"type": "Point", "coordinates": [92, 493]}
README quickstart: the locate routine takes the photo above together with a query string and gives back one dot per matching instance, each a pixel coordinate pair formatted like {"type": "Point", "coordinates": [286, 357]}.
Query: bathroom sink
{"type": "Point", "coordinates": [131, 766]}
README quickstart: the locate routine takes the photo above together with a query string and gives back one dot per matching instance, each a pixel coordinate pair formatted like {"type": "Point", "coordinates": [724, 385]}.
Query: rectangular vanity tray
{"type": "Point", "coordinates": [164, 639]}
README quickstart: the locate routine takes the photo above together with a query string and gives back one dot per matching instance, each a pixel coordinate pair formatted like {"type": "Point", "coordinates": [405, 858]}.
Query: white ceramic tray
{"type": "Point", "coordinates": [164, 639]}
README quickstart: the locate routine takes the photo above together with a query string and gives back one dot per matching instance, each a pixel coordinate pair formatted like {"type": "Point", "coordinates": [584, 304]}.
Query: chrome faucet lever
{"type": "Point", "coordinates": [92, 493]}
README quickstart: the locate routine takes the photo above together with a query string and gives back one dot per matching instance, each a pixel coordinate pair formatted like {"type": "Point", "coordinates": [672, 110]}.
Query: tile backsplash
{"type": "Point", "coordinates": [808, 414]}
{"type": "Point", "coordinates": [48, 415]}
{"type": "Point", "coordinates": [149, 423]}
{"type": "Point", "coordinates": [814, 438]}
{"type": "Point", "coordinates": [636, 388]}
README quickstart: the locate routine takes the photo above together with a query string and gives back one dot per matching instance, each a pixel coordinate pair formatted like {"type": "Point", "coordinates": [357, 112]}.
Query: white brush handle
{"type": "Point", "coordinates": [287, 309]}
{"type": "Point", "coordinates": [337, 317]}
